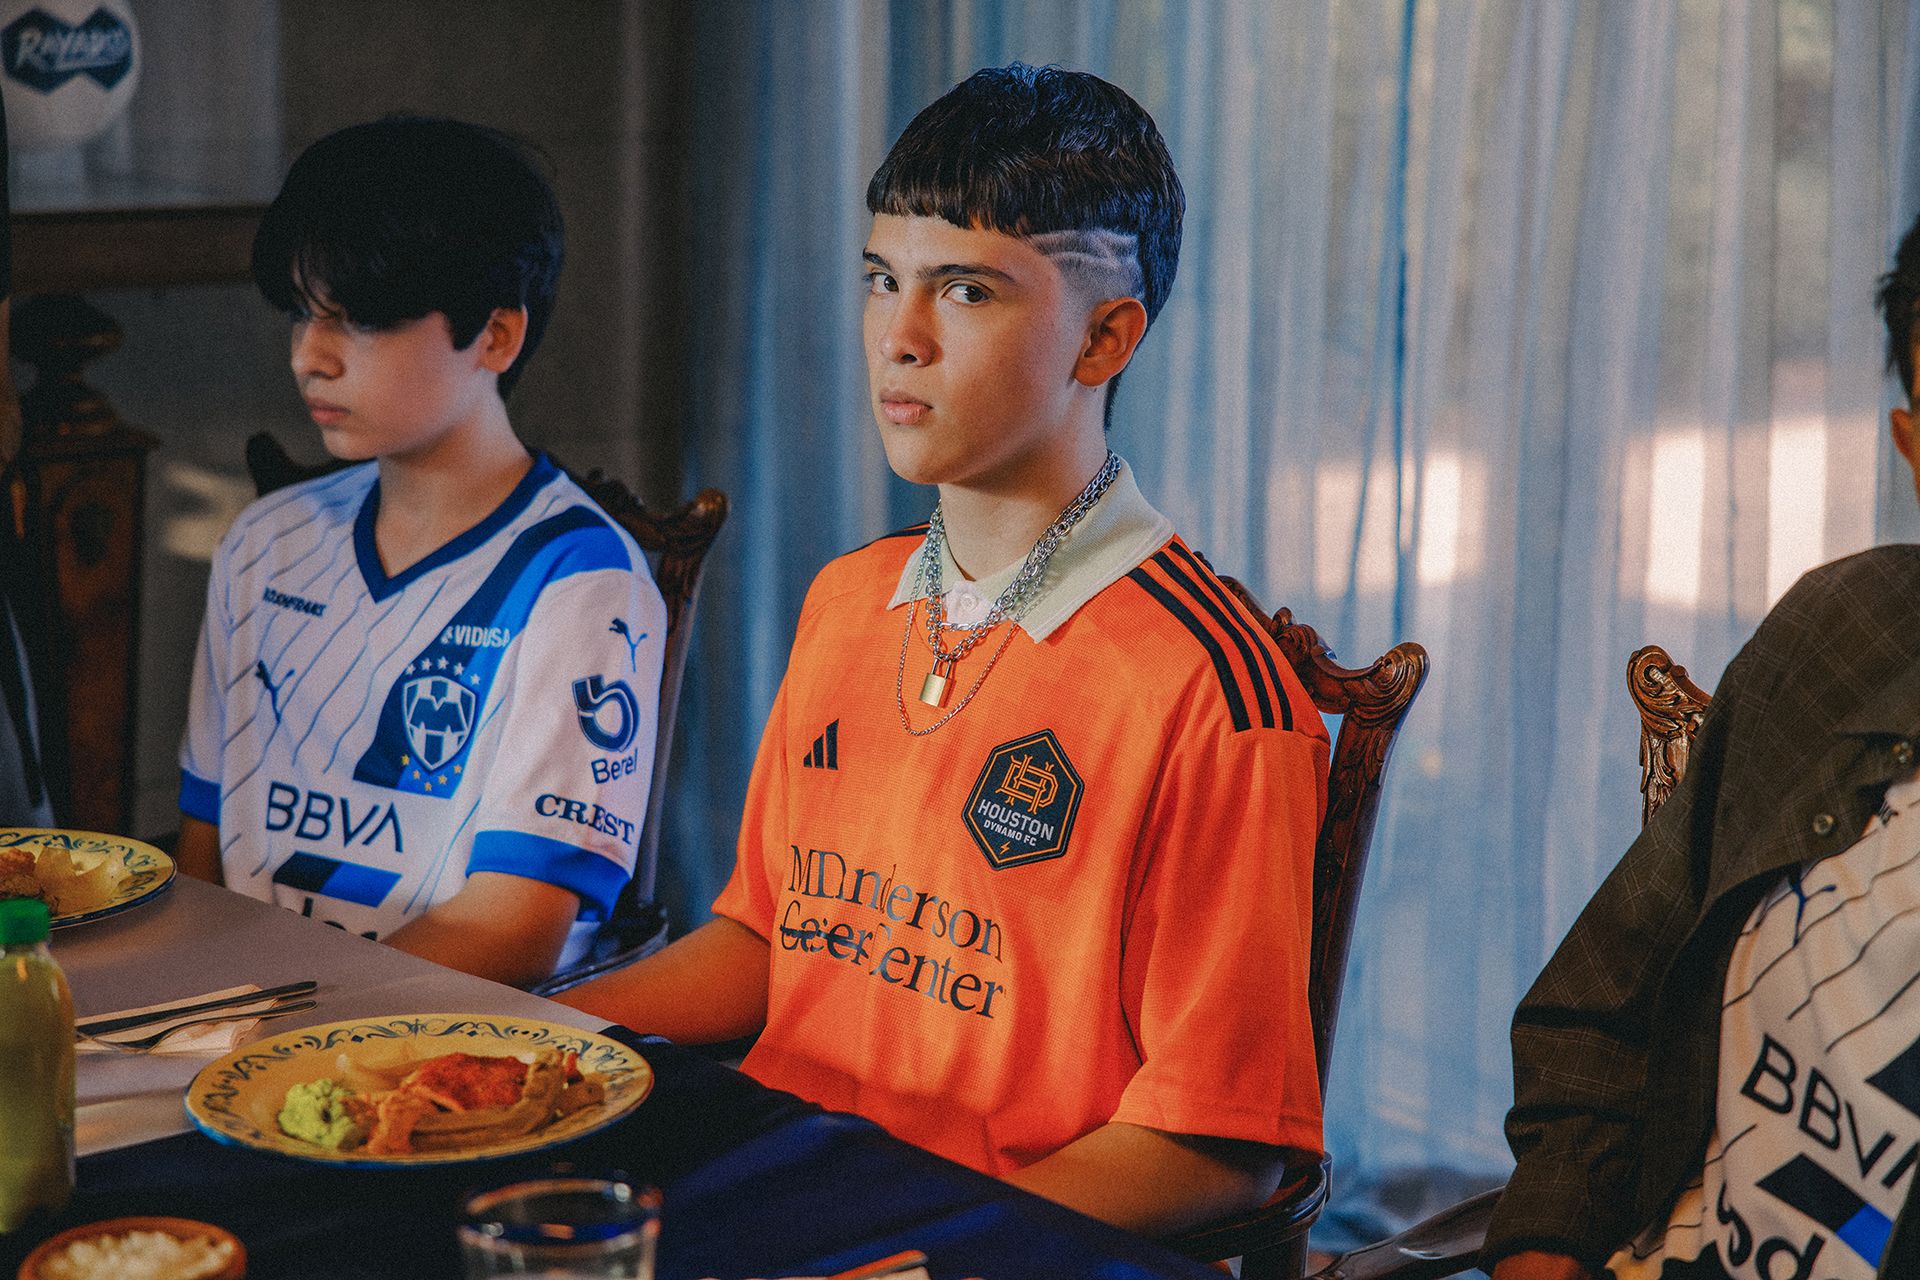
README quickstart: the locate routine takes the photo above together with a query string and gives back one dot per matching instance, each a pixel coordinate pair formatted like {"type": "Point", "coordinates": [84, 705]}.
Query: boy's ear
{"type": "Point", "coordinates": [502, 337]}
{"type": "Point", "coordinates": [1114, 329]}
{"type": "Point", "coordinates": [1903, 438]}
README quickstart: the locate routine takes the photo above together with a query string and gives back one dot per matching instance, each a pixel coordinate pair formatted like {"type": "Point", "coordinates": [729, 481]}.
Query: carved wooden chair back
{"type": "Point", "coordinates": [676, 544]}
{"type": "Point", "coordinates": [1371, 701]}
{"type": "Point", "coordinates": [1670, 707]}
{"type": "Point", "coordinates": [1447, 1243]}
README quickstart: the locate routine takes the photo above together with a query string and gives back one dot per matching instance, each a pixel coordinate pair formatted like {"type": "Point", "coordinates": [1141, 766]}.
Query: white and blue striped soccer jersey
{"type": "Point", "coordinates": [364, 742]}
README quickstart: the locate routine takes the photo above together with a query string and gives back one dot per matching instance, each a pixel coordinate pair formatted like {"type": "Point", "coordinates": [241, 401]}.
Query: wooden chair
{"type": "Point", "coordinates": [1371, 702]}
{"type": "Point", "coordinates": [1670, 707]}
{"type": "Point", "coordinates": [676, 545]}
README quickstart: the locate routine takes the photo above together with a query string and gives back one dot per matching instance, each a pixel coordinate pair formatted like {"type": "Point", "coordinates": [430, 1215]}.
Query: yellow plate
{"type": "Point", "coordinates": [148, 870]}
{"type": "Point", "coordinates": [237, 1099]}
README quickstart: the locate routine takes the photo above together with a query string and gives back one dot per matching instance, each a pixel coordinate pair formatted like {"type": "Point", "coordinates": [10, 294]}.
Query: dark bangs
{"type": "Point", "coordinates": [389, 221]}
{"type": "Point", "coordinates": [1026, 151]}
{"type": "Point", "coordinates": [1899, 300]}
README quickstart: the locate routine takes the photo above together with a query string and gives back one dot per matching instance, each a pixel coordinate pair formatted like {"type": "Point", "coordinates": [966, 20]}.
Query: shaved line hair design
{"type": "Point", "coordinates": [1105, 264]}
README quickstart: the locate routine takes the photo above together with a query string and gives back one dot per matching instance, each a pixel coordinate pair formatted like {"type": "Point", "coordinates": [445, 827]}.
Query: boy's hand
{"type": "Point", "coordinates": [707, 987]}
{"type": "Point", "coordinates": [197, 850]}
{"type": "Point", "coordinates": [1153, 1182]}
{"type": "Point", "coordinates": [504, 927]}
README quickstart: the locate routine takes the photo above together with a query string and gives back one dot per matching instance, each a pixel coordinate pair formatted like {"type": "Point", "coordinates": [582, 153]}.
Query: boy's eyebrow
{"type": "Point", "coordinates": [946, 270]}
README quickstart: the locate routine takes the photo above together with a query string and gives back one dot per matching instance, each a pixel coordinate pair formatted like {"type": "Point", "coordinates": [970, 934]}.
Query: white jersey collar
{"type": "Point", "coordinates": [1120, 531]}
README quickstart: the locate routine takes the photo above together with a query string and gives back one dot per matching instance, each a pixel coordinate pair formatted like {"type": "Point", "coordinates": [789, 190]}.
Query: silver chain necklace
{"type": "Point", "coordinates": [1009, 606]}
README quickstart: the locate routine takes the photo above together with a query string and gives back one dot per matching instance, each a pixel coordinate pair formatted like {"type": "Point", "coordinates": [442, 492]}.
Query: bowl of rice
{"type": "Point", "coordinates": [139, 1249]}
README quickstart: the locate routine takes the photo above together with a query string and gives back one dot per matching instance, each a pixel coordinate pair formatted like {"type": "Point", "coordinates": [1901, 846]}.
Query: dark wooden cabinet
{"type": "Point", "coordinates": [79, 490]}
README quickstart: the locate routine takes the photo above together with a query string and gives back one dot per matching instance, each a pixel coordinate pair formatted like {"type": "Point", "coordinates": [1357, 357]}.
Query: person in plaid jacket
{"type": "Point", "coordinates": [1718, 1073]}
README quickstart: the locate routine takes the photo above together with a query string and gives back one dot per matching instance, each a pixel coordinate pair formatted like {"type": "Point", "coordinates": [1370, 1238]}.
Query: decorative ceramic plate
{"type": "Point", "coordinates": [144, 870]}
{"type": "Point", "coordinates": [237, 1099]}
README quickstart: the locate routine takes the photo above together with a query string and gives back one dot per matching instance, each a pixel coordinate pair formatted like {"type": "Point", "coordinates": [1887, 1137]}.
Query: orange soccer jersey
{"type": "Point", "coordinates": [1085, 898]}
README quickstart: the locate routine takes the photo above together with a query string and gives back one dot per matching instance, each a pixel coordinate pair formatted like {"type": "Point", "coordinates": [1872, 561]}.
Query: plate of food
{"type": "Point", "coordinates": [418, 1089]}
{"type": "Point", "coordinates": [80, 875]}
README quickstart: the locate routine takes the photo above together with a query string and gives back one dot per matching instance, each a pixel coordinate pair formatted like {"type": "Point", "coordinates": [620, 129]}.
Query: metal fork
{"type": "Point", "coordinates": [144, 1043]}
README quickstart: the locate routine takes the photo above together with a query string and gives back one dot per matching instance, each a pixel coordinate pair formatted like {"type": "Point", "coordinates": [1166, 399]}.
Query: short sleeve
{"type": "Point", "coordinates": [566, 794]}
{"type": "Point", "coordinates": [749, 892]}
{"type": "Point", "coordinates": [203, 743]}
{"type": "Point", "coordinates": [1218, 950]}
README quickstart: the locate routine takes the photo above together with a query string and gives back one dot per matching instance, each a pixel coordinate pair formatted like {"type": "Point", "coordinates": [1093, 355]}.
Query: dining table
{"type": "Point", "coordinates": [755, 1182]}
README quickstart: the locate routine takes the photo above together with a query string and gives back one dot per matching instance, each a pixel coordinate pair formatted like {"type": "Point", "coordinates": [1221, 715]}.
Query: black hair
{"type": "Point", "coordinates": [1899, 301]}
{"type": "Point", "coordinates": [1027, 151]}
{"type": "Point", "coordinates": [391, 220]}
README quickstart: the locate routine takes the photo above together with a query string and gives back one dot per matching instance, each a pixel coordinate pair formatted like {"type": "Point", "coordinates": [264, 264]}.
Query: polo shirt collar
{"type": "Point", "coordinates": [1120, 531]}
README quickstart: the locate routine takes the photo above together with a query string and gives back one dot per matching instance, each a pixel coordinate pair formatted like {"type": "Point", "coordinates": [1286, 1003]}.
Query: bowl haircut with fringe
{"type": "Point", "coordinates": [1062, 159]}
{"type": "Point", "coordinates": [392, 220]}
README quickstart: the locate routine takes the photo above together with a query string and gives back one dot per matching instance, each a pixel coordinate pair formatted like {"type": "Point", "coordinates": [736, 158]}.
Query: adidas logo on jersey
{"type": "Point", "coordinates": [826, 750]}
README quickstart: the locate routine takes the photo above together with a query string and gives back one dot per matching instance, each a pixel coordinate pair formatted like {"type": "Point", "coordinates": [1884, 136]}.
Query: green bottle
{"type": "Point", "coordinates": [36, 1067]}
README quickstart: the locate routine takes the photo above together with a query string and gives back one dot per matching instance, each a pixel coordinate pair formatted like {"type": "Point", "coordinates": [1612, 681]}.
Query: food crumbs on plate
{"type": "Point", "coordinates": [68, 881]}
{"type": "Point", "coordinates": [139, 1255]}
{"type": "Point", "coordinates": [317, 1113]}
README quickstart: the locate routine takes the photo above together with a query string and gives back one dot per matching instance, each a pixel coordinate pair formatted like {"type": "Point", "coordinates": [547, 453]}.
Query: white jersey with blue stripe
{"type": "Point", "coordinates": [364, 742]}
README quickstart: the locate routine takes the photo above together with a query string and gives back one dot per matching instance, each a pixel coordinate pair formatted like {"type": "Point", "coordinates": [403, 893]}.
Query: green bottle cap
{"type": "Point", "coordinates": [23, 920]}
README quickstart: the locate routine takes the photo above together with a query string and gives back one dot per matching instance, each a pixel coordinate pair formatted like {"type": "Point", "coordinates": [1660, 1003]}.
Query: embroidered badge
{"type": "Point", "coordinates": [1023, 805]}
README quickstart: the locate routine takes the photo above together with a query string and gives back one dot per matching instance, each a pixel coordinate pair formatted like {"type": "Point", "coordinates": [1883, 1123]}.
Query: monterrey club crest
{"type": "Point", "coordinates": [1023, 805]}
{"type": "Point", "coordinates": [438, 712]}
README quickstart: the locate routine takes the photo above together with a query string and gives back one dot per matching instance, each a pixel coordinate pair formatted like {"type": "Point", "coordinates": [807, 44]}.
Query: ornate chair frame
{"type": "Point", "coordinates": [1371, 702]}
{"type": "Point", "coordinates": [1670, 707]}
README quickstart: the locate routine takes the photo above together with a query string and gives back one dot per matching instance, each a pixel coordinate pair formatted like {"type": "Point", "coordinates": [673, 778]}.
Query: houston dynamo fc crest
{"type": "Point", "coordinates": [438, 711]}
{"type": "Point", "coordinates": [1023, 805]}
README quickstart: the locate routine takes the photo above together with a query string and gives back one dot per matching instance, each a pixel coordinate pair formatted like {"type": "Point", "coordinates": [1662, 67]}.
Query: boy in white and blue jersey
{"type": "Point", "coordinates": [425, 700]}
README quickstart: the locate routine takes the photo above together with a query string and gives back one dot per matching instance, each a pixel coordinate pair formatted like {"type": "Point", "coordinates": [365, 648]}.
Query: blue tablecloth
{"type": "Point", "coordinates": [756, 1183]}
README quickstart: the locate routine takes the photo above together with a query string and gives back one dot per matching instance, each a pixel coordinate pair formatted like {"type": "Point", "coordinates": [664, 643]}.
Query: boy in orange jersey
{"type": "Point", "coordinates": [1025, 870]}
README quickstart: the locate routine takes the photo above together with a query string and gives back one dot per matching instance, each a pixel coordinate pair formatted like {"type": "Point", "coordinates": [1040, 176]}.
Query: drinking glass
{"type": "Point", "coordinates": [562, 1226]}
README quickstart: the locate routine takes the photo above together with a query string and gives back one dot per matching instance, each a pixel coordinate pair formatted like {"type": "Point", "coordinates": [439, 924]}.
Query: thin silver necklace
{"type": "Point", "coordinates": [1009, 606]}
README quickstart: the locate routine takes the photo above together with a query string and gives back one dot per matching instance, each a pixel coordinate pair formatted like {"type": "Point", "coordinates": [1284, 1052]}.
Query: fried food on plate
{"type": "Point", "coordinates": [454, 1101]}
{"type": "Point", "coordinates": [70, 882]}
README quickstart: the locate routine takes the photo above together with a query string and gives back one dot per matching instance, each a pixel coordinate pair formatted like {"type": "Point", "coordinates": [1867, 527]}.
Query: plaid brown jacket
{"type": "Point", "coordinates": [1616, 1047]}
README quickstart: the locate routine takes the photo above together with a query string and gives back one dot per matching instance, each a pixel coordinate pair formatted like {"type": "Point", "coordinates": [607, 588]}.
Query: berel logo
{"type": "Point", "coordinates": [607, 768]}
{"type": "Point", "coordinates": [596, 699]}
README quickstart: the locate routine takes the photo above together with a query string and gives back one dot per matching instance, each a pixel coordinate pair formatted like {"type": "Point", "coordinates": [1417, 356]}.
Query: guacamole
{"type": "Point", "coordinates": [317, 1113]}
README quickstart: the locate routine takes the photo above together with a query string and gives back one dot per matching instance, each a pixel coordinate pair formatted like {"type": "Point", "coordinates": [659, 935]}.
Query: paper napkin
{"type": "Point", "coordinates": [207, 1038]}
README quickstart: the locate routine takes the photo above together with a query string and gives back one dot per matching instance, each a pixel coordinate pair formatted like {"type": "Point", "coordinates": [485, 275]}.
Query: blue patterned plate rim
{"type": "Point", "coordinates": [149, 870]}
{"type": "Point", "coordinates": [214, 1097]}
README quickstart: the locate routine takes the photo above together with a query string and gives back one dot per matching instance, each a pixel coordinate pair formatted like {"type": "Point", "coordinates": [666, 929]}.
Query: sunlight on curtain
{"type": "Point", "coordinates": [1532, 331]}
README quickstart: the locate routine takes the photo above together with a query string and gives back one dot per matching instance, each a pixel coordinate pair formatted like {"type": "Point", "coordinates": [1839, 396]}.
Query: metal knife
{"type": "Point", "coordinates": [106, 1026]}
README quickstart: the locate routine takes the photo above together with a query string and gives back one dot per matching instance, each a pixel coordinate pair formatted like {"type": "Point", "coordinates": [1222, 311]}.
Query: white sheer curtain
{"type": "Point", "coordinates": [1531, 330]}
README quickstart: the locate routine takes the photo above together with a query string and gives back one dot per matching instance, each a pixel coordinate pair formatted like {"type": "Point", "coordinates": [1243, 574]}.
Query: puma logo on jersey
{"type": "Point", "coordinates": [265, 677]}
{"type": "Point", "coordinates": [620, 628]}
